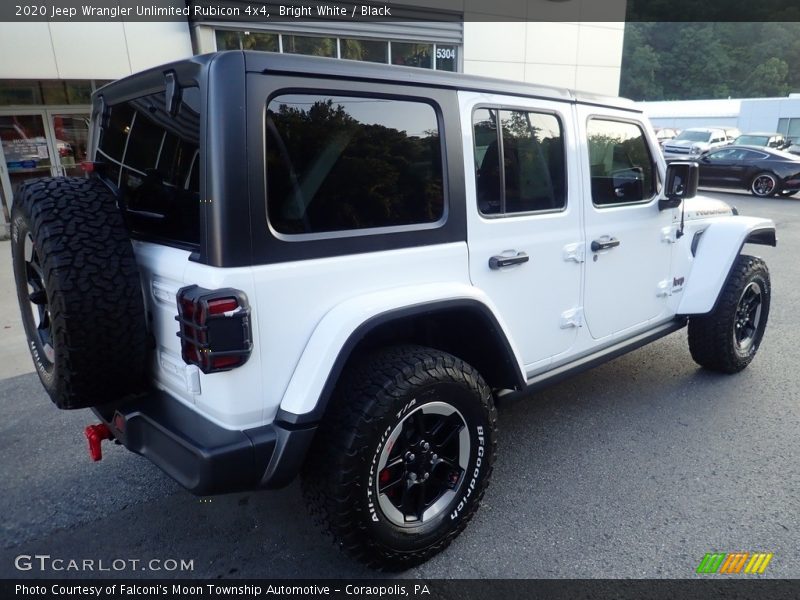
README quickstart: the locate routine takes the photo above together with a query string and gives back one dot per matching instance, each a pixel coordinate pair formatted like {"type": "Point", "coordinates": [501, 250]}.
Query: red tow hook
{"type": "Point", "coordinates": [96, 434]}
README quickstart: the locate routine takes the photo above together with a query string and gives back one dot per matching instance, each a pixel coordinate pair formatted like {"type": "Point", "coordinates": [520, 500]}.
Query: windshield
{"type": "Point", "coordinates": [751, 140]}
{"type": "Point", "coordinates": [694, 136]}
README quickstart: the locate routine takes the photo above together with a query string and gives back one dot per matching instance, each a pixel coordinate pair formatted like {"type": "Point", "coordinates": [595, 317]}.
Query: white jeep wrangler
{"type": "Point", "coordinates": [282, 264]}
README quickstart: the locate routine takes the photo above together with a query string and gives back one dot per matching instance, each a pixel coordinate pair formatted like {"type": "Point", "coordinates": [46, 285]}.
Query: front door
{"type": "Point", "coordinates": [523, 212]}
{"type": "Point", "coordinates": [628, 239]}
{"type": "Point", "coordinates": [722, 167]}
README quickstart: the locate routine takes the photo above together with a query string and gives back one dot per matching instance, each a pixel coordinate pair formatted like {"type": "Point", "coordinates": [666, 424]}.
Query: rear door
{"type": "Point", "coordinates": [523, 215]}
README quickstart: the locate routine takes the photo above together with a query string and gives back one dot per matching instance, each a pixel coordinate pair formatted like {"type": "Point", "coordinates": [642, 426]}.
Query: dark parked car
{"type": "Point", "coordinates": [763, 171]}
{"type": "Point", "coordinates": [767, 140]}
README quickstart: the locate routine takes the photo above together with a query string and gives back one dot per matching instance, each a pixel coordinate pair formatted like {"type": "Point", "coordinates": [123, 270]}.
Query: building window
{"type": "Point", "coordinates": [312, 46]}
{"type": "Point", "coordinates": [247, 40]}
{"type": "Point", "coordinates": [366, 50]}
{"type": "Point", "coordinates": [425, 55]}
{"type": "Point", "coordinates": [790, 128]}
{"type": "Point", "coordinates": [412, 55]}
{"type": "Point", "coordinates": [29, 92]}
{"type": "Point", "coordinates": [344, 163]}
{"type": "Point", "coordinates": [446, 58]}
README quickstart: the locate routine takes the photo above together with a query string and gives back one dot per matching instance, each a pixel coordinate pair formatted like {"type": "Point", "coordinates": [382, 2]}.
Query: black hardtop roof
{"type": "Point", "coordinates": [270, 62]}
{"type": "Point", "coordinates": [266, 62]}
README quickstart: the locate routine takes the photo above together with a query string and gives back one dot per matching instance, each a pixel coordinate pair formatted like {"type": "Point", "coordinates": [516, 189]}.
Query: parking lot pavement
{"type": "Point", "coordinates": [14, 356]}
{"type": "Point", "coordinates": [635, 469]}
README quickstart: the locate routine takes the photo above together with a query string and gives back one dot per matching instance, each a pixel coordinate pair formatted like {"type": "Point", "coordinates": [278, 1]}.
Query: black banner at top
{"type": "Point", "coordinates": [243, 11]}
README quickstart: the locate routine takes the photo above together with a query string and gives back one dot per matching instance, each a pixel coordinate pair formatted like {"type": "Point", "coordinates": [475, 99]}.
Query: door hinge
{"type": "Point", "coordinates": [664, 288]}
{"type": "Point", "coordinates": [575, 252]}
{"type": "Point", "coordinates": [572, 318]}
{"type": "Point", "coordinates": [668, 234]}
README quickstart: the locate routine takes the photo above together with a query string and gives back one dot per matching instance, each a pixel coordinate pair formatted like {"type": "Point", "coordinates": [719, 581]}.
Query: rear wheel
{"type": "Point", "coordinates": [79, 291]}
{"type": "Point", "coordinates": [764, 185]}
{"type": "Point", "coordinates": [403, 457]}
{"type": "Point", "coordinates": [727, 339]}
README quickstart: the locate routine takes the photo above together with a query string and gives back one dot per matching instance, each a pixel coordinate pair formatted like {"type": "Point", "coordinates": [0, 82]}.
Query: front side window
{"type": "Point", "coordinates": [621, 166]}
{"type": "Point", "coordinates": [530, 148]}
{"type": "Point", "coordinates": [343, 163]}
{"type": "Point", "coordinates": [726, 154]}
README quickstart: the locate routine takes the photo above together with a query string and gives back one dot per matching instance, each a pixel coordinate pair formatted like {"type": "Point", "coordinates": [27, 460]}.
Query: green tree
{"type": "Point", "coordinates": [682, 61]}
{"type": "Point", "coordinates": [769, 78]}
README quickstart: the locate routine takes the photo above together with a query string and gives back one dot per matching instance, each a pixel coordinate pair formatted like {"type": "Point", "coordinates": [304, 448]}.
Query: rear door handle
{"type": "Point", "coordinates": [501, 261]}
{"type": "Point", "coordinates": [604, 243]}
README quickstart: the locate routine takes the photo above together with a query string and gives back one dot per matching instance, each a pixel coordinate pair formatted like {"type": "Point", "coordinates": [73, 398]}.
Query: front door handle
{"type": "Point", "coordinates": [604, 243]}
{"type": "Point", "coordinates": [499, 262]}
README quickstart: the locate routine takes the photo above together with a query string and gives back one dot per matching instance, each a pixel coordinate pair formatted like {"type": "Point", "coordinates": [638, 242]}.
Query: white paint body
{"type": "Point", "coordinates": [560, 305]}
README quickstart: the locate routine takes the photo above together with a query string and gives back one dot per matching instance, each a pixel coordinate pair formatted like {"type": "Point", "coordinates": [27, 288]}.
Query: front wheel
{"type": "Point", "coordinates": [764, 185]}
{"type": "Point", "coordinates": [403, 457]}
{"type": "Point", "coordinates": [727, 339]}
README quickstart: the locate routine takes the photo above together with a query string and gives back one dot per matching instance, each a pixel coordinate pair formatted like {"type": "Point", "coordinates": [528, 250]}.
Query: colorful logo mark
{"type": "Point", "coordinates": [734, 562]}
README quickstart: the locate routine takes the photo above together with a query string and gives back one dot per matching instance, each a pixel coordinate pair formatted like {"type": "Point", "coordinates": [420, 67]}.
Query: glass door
{"type": "Point", "coordinates": [70, 134]}
{"type": "Point", "coordinates": [27, 148]}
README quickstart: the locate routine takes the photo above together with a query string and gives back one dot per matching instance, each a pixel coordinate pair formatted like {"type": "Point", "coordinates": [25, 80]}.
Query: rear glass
{"type": "Point", "coordinates": [153, 158]}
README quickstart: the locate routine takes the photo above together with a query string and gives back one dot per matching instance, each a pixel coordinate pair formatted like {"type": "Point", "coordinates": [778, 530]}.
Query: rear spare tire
{"type": "Point", "coordinates": [79, 291]}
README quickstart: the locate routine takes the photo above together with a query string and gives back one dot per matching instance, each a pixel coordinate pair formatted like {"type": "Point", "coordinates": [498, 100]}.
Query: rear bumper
{"type": "Point", "coordinates": [200, 455]}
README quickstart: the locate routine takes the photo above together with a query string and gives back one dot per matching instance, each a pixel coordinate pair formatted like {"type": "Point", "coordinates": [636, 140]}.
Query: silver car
{"type": "Point", "coordinates": [692, 142]}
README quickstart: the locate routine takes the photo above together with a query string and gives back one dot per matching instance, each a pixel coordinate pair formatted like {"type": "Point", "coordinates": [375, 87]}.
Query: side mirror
{"type": "Point", "coordinates": [682, 178]}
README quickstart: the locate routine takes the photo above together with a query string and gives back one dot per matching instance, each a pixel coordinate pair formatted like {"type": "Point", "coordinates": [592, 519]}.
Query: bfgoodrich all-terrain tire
{"type": "Point", "coordinates": [403, 456]}
{"type": "Point", "coordinates": [79, 291]}
{"type": "Point", "coordinates": [727, 339]}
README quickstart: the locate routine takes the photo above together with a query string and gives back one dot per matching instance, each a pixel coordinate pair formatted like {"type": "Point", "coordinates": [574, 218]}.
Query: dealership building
{"type": "Point", "coordinates": [45, 90]}
{"type": "Point", "coordinates": [772, 115]}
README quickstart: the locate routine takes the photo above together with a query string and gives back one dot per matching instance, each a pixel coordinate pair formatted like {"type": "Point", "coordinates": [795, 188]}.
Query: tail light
{"type": "Point", "coordinates": [214, 328]}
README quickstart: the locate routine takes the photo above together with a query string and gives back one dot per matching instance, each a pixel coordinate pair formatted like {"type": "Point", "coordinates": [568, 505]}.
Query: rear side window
{"type": "Point", "coordinates": [621, 166]}
{"type": "Point", "coordinates": [344, 163]}
{"type": "Point", "coordinates": [530, 148]}
{"type": "Point", "coordinates": [153, 157]}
